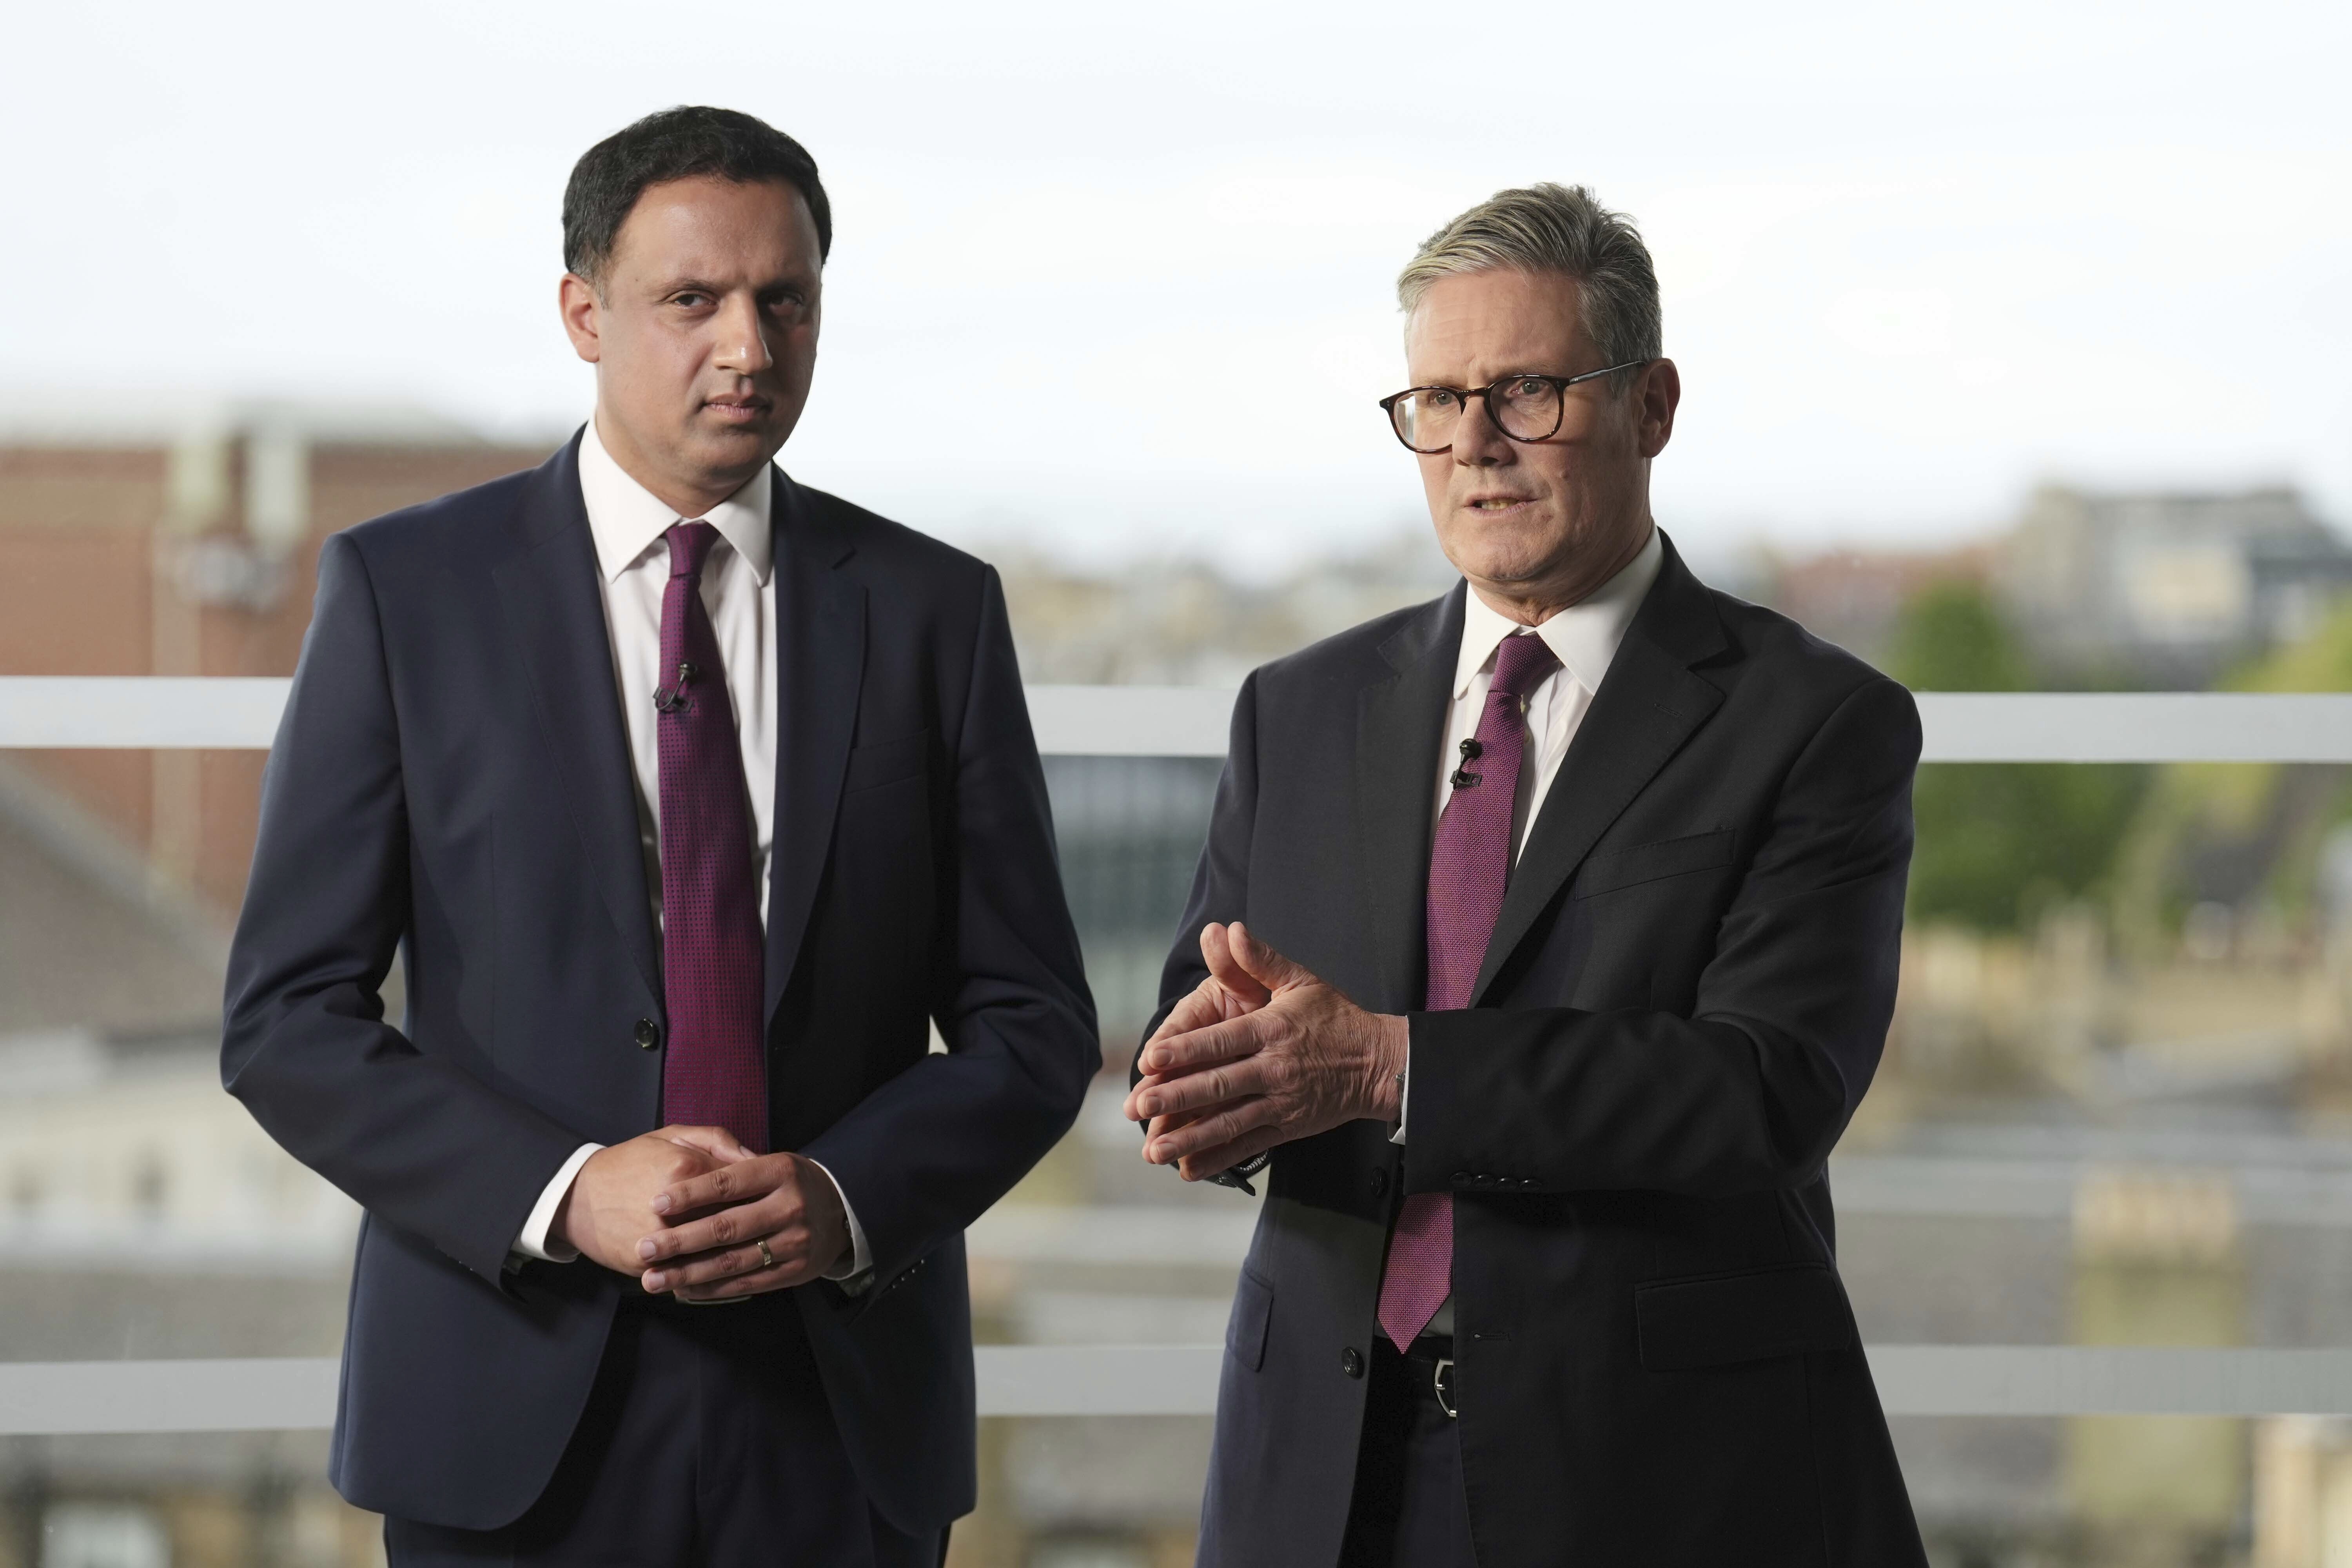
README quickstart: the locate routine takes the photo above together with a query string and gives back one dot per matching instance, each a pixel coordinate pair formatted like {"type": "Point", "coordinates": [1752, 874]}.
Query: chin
{"type": "Point", "coordinates": [1520, 556]}
{"type": "Point", "coordinates": [725, 448]}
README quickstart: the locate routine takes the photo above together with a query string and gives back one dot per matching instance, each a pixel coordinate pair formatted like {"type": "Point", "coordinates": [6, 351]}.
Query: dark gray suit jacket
{"type": "Point", "coordinates": [1685, 995]}
{"type": "Point", "coordinates": [451, 781]}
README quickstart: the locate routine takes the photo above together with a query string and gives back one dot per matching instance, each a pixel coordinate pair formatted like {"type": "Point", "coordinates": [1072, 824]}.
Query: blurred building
{"type": "Point", "coordinates": [183, 541]}
{"type": "Point", "coordinates": [2167, 589]}
{"type": "Point", "coordinates": [1855, 598]}
{"type": "Point", "coordinates": [2162, 590]}
{"type": "Point", "coordinates": [143, 1213]}
{"type": "Point", "coordinates": [1185, 623]}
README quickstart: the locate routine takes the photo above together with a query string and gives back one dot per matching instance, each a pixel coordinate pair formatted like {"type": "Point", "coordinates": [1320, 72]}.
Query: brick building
{"type": "Point", "coordinates": [185, 542]}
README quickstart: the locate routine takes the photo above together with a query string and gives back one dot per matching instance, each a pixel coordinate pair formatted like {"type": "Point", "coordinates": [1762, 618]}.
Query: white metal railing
{"type": "Point", "coordinates": [230, 712]}
{"type": "Point", "coordinates": [138, 1397]}
{"type": "Point", "coordinates": [56, 1398]}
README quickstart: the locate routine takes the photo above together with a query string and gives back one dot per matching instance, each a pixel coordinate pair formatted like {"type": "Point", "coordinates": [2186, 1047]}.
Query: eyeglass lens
{"type": "Point", "coordinates": [1526, 407]}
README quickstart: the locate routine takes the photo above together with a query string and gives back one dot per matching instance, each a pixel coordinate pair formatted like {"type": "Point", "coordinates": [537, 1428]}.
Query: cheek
{"type": "Point", "coordinates": [656, 364]}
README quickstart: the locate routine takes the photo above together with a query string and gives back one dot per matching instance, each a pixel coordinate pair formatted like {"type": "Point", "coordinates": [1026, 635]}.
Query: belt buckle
{"type": "Point", "coordinates": [1437, 1385]}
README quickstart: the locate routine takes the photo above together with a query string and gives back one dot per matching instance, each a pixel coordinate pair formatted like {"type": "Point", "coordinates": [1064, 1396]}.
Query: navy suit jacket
{"type": "Point", "coordinates": [451, 783]}
{"type": "Point", "coordinates": [1685, 997]}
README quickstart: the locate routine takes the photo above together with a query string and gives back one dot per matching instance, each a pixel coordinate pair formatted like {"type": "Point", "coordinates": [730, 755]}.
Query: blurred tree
{"type": "Point", "coordinates": [2240, 833]}
{"type": "Point", "coordinates": [1998, 840]}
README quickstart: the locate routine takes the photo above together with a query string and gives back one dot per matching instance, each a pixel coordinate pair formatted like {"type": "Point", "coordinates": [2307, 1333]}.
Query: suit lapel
{"type": "Point", "coordinates": [821, 663]}
{"type": "Point", "coordinates": [1648, 705]}
{"type": "Point", "coordinates": [556, 611]}
{"type": "Point", "coordinates": [1401, 724]}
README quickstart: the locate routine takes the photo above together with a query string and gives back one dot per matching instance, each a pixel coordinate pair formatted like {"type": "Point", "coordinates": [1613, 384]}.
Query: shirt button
{"type": "Point", "coordinates": [1380, 1184]}
{"type": "Point", "coordinates": [649, 1035]}
{"type": "Point", "coordinates": [1351, 1362]}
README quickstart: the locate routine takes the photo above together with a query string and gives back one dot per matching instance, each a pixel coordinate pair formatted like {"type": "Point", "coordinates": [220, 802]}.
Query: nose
{"type": "Point", "coordinates": [743, 337]}
{"type": "Point", "coordinates": [1477, 444]}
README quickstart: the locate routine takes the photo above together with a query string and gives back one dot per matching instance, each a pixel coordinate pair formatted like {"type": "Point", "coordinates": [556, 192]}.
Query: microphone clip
{"type": "Point", "coordinates": [672, 699]}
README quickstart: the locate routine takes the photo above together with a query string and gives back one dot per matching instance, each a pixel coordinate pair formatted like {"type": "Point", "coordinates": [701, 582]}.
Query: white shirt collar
{"type": "Point", "coordinates": [1583, 636]}
{"type": "Point", "coordinates": [626, 520]}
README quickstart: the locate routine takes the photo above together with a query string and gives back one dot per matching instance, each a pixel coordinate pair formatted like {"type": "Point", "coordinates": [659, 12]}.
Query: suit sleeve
{"type": "Point", "coordinates": [926, 1153]}
{"type": "Point", "coordinates": [414, 1138]}
{"type": "Point", "coordinates": [1751, 1090]}
{"type": "Point", "coordinates": [1221, 880]}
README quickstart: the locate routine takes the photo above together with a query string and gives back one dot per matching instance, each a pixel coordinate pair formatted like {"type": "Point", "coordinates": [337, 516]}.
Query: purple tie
{"type": "Point", "coordinates": [712, 966]}
{"type": "Point", "coordinates": [1468, 866]}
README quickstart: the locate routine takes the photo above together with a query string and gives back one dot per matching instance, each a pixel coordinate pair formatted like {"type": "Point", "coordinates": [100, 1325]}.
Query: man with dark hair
{"type": "Point", "coordinates": [692, 798]}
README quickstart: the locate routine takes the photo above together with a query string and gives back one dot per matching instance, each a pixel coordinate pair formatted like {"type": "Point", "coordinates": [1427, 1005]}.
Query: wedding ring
{"type": "Point", "coordinates": [767, 1258]}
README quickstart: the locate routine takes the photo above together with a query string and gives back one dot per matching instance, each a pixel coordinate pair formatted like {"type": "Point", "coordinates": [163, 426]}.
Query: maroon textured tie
{"type": "Point", "coordinates": [712, 963]}
{"type": "Point", "coordinates": [1469, 865]}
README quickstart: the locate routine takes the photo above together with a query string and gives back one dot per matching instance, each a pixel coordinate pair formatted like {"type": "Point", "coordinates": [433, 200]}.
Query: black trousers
{"type": "Point", "coordinates": [1409, 1510]}
{"type": "Point", "coordinates": [706, 1443]}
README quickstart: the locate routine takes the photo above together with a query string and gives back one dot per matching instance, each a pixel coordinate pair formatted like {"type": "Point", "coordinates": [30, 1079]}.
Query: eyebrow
{"type": "Point", "coordinates": [703, 285]}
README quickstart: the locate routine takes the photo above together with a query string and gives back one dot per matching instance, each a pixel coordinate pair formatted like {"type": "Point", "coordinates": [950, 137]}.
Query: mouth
{"type": "Point", "coordinates": [1494, 505]}
{"type": "Point", "coordinates": [738, 410]}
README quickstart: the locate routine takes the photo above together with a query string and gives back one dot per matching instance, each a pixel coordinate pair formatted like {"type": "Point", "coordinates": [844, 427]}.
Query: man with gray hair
{"type": "Point", "coordinates": [1544, 944]}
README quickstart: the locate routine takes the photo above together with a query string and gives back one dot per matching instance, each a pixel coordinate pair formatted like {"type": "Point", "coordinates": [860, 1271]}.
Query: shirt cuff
{"type": "Point", "coordinates": [861, 1258]}
{"type": "Point", "coordinates": [1404, 1095]}
{"type": "Point", "coordinates": [534, 1241]}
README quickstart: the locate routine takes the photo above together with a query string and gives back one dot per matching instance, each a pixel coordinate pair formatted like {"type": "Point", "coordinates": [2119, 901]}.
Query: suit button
{"type": "Point", "coordinates": [649, 1035]}
{"type": "Point", "coordinates": [1380, 1184]}
{"type": "Point", "coordinates": [1351, 1362]}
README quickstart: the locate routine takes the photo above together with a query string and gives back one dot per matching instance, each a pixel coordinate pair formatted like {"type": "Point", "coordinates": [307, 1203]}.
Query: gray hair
{"type": "Point", "coordinates": [1559, 229]}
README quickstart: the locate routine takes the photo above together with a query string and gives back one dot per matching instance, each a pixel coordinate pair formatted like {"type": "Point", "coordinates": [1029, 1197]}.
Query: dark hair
{"type": "Point", "coordinates": [678, 144]}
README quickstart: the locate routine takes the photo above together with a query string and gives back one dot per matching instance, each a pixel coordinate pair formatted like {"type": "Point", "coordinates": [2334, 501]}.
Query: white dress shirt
{"type": "Point", "coordinates": [628, 524]}
{"type": "Point", "coordinates": [1585, 637]}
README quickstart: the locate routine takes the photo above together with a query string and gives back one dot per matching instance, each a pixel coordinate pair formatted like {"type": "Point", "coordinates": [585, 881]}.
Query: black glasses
{"type": "Point", "coordinates": [1526, 407]}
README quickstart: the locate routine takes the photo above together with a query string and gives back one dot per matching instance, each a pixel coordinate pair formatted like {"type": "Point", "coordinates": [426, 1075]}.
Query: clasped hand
{"type": "Point", "coordinates": [1260, 1053]}
{"type": "Point", "coordinates": [685, 1209]}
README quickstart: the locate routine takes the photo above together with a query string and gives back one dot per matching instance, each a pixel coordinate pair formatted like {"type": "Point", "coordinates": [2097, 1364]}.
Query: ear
{"type": "Point", "coordinates": [576, 301]}
{"type": "Point", "coordinates": [1655, 398]}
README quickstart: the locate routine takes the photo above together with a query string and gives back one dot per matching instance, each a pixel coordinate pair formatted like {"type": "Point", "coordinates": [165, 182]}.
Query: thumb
{"type": "Point", "coordinates": [716, 1142]}
{"type": "Point", "coordinates": [1225, 967]}
{"type": "Point", "coordinates": [1263, 964]}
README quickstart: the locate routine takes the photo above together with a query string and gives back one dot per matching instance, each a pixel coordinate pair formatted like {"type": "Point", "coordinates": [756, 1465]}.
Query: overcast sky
{"type": "Point", "coordinates": [1139, 271]}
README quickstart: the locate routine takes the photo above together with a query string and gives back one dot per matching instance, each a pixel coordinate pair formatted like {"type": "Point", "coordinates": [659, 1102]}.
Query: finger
{"type": "Point", "coordinates": [752, 1178]}
{"type": "Point", "coordinates": [1223, 1125]}
{"type": "Point", "coordinates": [749, 1285]}
{"type": "Point", "coordinates": [1160, 1124]}
{"type": "Point", "coordinates": [1135, 1112]}
{"type": "Point", "coordinates": [787, 1248]}
{"type": "Point", "coordinates": [1262, 963]}
{"type": "Point", "coordinates": [756, 1284]}
{"type": "Point", "coordinates": [1212, 1086]}
{"type": "Point", "coordinates": [1147, 1080]}
{"type": "Point", "coordinates": [1229, 1041]}
{"type": "Point", "coordinates": [715, 1142]}
{"type": "Point", "coordinates": [1225, 1156]}
{"type": "Point", "coordinates": [1224, 968]}
{"type": "Point", "coordinates": [1203, 1006]}
{"type": "Point", "coordinates": [737, 1223]}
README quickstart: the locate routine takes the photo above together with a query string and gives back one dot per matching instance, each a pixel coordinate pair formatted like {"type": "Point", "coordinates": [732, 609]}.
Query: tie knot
{"type": "Point", "coordinates": [1521, 664]}
{"type": "Point", "coordinates": [690, 547]}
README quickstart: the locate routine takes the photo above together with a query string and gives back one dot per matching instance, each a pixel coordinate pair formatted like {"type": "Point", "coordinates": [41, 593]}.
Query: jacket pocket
{"type": "Point", "coordinates": [1716, 1319]}
{"type": "Point", "coordinates": [1614, 869]}
{"type": "Point", "coordinates": [887, 762]}
{"type": "Point", "coordinates": [1245, 1330]}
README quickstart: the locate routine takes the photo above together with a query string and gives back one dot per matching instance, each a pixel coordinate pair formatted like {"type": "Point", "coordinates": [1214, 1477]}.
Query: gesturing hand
{"type": "Point", "coordinates": [610, 1203]}
{"type": "Point", "coordinates": [1228, 992]}
{"type": "Point", "coordinates": [1250, 1074]}
{"type": "Point", "coordinates": [782, 1200]}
